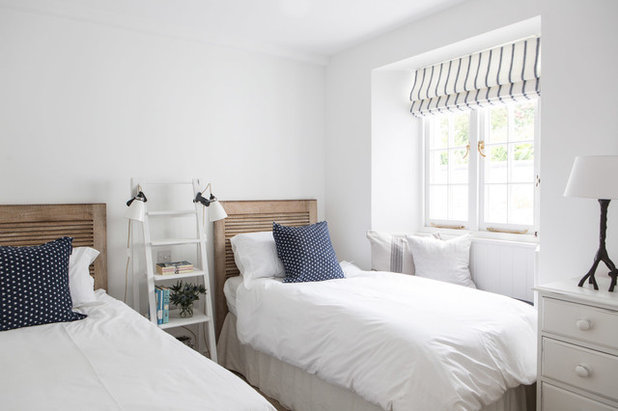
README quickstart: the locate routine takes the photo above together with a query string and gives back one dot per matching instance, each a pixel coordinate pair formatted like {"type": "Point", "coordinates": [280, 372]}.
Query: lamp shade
{"type": "Point", "coordinates": [593, 177]}
{"type": "Point", "coordinates": [136, 211]}
{"type": "Point", "coordinates": [216, 212]}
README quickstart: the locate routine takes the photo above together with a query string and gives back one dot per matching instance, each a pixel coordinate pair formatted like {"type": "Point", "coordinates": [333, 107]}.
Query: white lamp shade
{"type": "Point", "coordinates": [136, 211]}
{"type": "Point", "coordinates": [216, 212]}
{"type": "Point", "coordinates": [593, 177]}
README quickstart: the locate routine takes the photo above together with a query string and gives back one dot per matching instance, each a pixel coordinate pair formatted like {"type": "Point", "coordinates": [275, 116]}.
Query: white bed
{"type": "Point", "coordinates": [357, 360]}
{"type": "Point", "coordinates": [373, 340]}
{"type": "Point", "coordinates": [113, 360]}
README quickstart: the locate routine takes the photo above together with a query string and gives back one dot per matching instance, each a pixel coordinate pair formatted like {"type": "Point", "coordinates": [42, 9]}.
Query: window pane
{"type": "Point", "coordinates": [496, 164]}
{"type": "Point", "coordinates": [522, 166]}
{"type": "Point", "coordinates": [438, 200]}
{"type": "Point", "coordinates": [498, 124]}
{"type": "Point", "coordinates": [448, 167]}
{"type": "Point", "coordinates": [439, 138]}
{"type": "Point", "coordinates": [458, 204]}
{"type": "Point", "coordinates": [438, 167]}
{"type": "Point", "coordinates": [521, 207]}
{"type": "Point", "coordinates": [461, 129]}
{"type": "Point", "coordinates": [458, 166]}
{"type": "Point", "coordinates": [496, 203]}
{"type": "Point", "coordinates": [523, 121]}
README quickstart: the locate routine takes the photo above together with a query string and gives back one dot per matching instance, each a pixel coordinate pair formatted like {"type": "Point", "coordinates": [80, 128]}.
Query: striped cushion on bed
{"type": "Point", "coordinates": [389, 252]}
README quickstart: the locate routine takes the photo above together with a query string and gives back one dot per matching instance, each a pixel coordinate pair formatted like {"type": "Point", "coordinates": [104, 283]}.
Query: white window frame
{"type": "Point", "coordinates": [429, 127]}
{"type": "Point", "coordinates": [479, 127]}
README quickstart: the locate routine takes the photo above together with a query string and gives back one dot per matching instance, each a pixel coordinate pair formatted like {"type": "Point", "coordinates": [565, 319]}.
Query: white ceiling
{"type": "Point", "coordinates": [305, 29]}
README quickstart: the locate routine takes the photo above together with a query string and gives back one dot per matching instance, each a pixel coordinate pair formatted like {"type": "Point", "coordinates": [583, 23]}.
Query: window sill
{"type": "Point", "coordinates": [523, 239]}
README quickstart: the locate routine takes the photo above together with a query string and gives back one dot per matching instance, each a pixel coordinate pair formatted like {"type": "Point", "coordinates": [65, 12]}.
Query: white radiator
{"type": "Point", "coordinates": [504, 267]}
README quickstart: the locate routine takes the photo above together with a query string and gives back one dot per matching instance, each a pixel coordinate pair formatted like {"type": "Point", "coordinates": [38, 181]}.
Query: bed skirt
{"type": "Point", "coordinates": [298, 390]}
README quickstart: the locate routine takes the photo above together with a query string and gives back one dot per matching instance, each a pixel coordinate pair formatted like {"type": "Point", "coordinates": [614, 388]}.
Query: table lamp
{"type": "Point", "coordinates": [596, 177]}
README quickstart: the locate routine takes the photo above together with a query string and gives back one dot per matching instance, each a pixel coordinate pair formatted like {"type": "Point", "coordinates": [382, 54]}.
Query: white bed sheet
{"type": "Point", "coordinates": [114, 359]}
{"type": "Point", "coordinates": [399, 341]}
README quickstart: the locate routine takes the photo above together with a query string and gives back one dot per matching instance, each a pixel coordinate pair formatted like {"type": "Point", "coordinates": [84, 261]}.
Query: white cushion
{"type": "Point", "coordinates": [81, 284]}
{"type": "Point", "coordinates": [443, 260]}
{"type": "Point", "coordinates": [350, 270]}
{"type": "Point", "coordinates": [255, 255]}
{"type": "Point", "coordinates": [389, 252]}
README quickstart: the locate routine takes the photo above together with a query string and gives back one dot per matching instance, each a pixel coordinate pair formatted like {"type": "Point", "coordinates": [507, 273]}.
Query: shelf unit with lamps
{"type": "Point", "coordinates": [138, 211]}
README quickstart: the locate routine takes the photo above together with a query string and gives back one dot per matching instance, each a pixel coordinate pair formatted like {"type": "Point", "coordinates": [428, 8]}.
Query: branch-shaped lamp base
{"type": "Point", "coordinates": [602, 255]}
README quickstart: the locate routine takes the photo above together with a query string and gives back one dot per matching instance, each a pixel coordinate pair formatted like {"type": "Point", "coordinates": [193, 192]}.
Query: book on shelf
{"type": "Point", "coordinates": [175, 267]}
{"type": "Point", "coordinates": [163, 304]}
{"type": "Point", "coordinates": [159, 300]}
{"type": "Point", "coordinates": [166, 305]}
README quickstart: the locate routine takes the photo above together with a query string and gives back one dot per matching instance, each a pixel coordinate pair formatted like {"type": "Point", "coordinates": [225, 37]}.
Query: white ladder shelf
{"type": "Point", "coordinates": [206, 318]}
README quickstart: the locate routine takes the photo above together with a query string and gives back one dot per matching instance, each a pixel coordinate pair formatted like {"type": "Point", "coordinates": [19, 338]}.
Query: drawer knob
{"type": "Point", "coordinates": [582, 371]}
{"type": "Point", "coordinates": [583, 325]}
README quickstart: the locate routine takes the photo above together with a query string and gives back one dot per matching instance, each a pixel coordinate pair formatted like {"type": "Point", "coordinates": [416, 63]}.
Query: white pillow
{"type": "Point", "coordinates": [350, 270]}
{"type": "Point", "coordinates": [390, 252]}
{"type": "Point", "coordinates": [444, 260]}
{"type": "Point", "coordinates": [81, 284]}
{"type": "Point", "coordinates": [255, 255]}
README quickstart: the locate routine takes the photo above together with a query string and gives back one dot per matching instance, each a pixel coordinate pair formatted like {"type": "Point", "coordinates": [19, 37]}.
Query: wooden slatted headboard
{"type": "Point", "coordinates": [23, 225]}
{"type": "Point", "coordinates": [250, 217]}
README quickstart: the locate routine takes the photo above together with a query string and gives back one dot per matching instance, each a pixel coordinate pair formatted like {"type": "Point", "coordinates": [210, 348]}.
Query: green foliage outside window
{"type": "Point", "coordinates": [524, 151]}
{"type": "Point", "coordinates": [444, 158]}
{"type": "Point", "coordinates": [461, 126]}
{"type": "Point", "coordinates": [499, 124]}
{"type": "Point", "coordinates": [498, 153]}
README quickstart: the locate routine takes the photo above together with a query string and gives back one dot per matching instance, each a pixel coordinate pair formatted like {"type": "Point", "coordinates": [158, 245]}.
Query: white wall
{"type": "Point", "coordinates": [579, 118]}
{"type": "Point", "coordinates": [396, 185]}
{"type": "Point", "coordinates": [576, 119]}
{"type": "Point", "coordinates": [84, 107]}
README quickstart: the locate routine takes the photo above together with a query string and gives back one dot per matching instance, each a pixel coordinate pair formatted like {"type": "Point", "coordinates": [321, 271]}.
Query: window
{"type": "Point", "coordinates": [448, 155]}
{"type": "Point", "coordinates": [481, 169]}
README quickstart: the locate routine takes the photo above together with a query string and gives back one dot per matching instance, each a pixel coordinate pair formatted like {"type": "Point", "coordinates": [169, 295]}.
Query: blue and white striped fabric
{"type": "Point", "coordinates": [507, 73]}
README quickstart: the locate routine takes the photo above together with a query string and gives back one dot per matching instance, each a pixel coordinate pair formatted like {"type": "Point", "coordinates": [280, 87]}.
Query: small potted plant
{"type": "Point", "coordinates": [184, 295]}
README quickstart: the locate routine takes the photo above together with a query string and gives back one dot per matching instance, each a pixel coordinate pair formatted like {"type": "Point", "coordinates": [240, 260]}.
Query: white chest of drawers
{"type": "Point", "coordinates": [578, 347]}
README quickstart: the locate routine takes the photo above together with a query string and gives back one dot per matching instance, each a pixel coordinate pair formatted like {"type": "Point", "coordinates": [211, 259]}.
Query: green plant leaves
{"type": "Point", "coordinates": [185, 294]}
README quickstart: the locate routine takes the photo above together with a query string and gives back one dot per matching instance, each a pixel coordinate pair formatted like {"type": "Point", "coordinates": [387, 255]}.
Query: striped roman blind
{"type": "Point", "coordinates": [507, 73]}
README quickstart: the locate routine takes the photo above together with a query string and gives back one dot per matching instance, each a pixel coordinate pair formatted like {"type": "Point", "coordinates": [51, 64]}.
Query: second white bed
{"type": "Point", "coordinates": [398, 342]}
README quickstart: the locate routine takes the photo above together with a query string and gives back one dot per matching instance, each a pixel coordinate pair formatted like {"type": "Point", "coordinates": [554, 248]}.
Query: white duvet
{"type": "Point", "coordinates": [399, 341]}
{"type": "Point", "coordinates": [113, 360]}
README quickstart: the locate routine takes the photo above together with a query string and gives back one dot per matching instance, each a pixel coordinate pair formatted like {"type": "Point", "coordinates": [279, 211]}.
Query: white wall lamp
{"type": "Point", "coordinates": [596, 177]}
{"type": "Point", "coordinates": [136, 211]}
{"type": "Point", "coordinates": [137, 206]}
{"type": "Point", "coordinates": [216, 211]}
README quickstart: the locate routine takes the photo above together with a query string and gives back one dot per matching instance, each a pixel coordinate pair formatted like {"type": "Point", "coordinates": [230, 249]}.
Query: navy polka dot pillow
{"type": "Point", "coordinates": [307, 253]}
{"type": "Point", "coordinates": [34, 285]}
